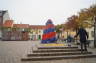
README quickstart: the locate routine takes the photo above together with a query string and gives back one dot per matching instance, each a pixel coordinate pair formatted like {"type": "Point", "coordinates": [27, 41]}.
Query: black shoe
{"type": "Point", "coordinates": [85, 49]}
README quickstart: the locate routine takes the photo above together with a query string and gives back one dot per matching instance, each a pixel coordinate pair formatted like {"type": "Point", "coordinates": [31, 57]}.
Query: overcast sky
{"type": "Point", "coordinates": [37, 12]}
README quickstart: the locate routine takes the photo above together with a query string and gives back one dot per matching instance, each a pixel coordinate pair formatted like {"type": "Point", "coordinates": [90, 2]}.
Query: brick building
{"type": "Point", "coordinates": [15, 31]}
{"type": "Point", "coordinates": [7, 29]}
{"type": "Point", "coordinates": [23, 30]}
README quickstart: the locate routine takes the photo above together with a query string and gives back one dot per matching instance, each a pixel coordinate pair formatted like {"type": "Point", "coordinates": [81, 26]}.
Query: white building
{"type": "Point", "coordinates": [90, 33]}
{"type": "Point", "coordinates": [36, 32]}
{"type": "Point", "coordinates": [3, 17]}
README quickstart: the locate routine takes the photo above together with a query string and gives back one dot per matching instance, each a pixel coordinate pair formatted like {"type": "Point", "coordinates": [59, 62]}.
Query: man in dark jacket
{"type": "Point", "coordinates": [83, 38]}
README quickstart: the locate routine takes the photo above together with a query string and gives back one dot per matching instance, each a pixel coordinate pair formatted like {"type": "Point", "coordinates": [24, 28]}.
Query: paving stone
{"type": "Point", "coordinates": [13, 51]}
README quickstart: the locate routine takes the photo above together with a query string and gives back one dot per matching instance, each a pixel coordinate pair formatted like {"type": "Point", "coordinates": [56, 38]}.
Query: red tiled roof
{"type": "Point", "coordinates": [21, 25]}
{"type": "Point", "coordinates": [37, 26]}
{"type": "Point", "coordinates": [8, 23]}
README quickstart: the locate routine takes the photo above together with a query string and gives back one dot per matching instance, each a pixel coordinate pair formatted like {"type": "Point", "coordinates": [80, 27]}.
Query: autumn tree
{"type": "Point", "coordinates": [87, 14]}
{"type": "Point", "coordinates": [72, 22]}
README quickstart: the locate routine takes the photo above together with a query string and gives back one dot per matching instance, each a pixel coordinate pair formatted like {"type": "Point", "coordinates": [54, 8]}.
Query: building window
{"type": "Point", "coordinates": [92, 33]}
{"type": "Point", "coordinates": [36, 31]}
{"type": "Point", "coordinates": [9, 29]}
{"type": "Point", "coordinates": [39, 31]}
{"type": "Point", "coordinates": [31, 32]}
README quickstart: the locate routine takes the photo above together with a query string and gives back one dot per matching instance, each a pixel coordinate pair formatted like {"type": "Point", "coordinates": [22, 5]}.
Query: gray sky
{"type": "Point", "coordinates": [37, 12]}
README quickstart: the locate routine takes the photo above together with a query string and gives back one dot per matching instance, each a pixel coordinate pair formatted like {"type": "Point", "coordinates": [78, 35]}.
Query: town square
{"type": "Point", "coordinates": [51, 31]}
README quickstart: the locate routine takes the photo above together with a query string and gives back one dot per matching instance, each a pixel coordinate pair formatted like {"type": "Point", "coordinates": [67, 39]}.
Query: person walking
{"type": "Point", "coordinates": [82, 33]}
{"type": "Point", "coordinates": [69, 40]}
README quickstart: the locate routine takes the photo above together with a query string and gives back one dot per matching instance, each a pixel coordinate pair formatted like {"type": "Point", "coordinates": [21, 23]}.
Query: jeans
{"type": "Point", "coordinates": [83, 46]}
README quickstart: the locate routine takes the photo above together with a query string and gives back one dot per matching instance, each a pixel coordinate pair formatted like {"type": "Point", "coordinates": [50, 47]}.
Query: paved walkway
{"type": "Point", "coordinates": [13, 51]}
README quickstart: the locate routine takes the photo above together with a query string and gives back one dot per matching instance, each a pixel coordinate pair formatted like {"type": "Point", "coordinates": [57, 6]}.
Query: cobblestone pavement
{"type": "Point", "coordinates": [13, 51]}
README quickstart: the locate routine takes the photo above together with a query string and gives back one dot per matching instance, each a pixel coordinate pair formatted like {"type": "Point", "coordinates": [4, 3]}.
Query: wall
{"type": "Point", "coordinates": [36, 34]}
{"type": "Point", "coordinates": [3, 17]}
{"type": "Point", "coordinates": [90, 33]}
{"type": "Point", "coordinates": [69, 32]}
{"type": "Point", "coordinates": [6, 16]}
{"type": "Point", "coordinates": [0, 34]}
{"type": "Point", "coordinates": [25, 36]}
{"type": "Point", "coordinates": [1, 24]}
{"type": "Point", "coordinates": [15, 35]}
